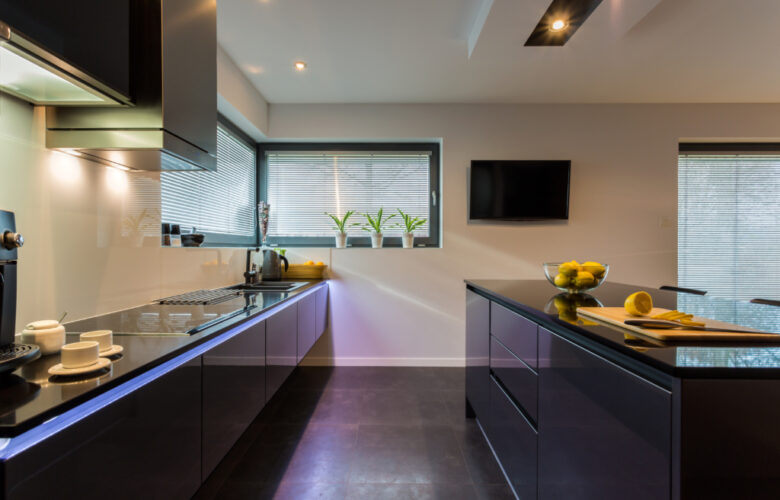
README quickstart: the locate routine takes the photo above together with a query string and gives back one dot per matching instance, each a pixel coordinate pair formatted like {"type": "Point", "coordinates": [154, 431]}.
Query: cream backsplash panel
{"type": "Point", "coordinates": [92, 241]}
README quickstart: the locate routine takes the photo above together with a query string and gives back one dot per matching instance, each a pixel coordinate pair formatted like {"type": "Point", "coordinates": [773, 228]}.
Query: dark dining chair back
{"type": "Point", "coordinates": [682, 290]}
{"type": "Point", "coordinates": [768, 302]}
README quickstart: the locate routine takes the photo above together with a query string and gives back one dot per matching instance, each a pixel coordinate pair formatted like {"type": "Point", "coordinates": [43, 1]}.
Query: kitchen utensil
{"type": "Point", "coordinates": [106, 340]}
{"type": "Point", "coordinates": [48, 335]}
{"type": "Point", "coordinates": [616, 316]}
{"type": "Point", "coordinates": [662, 324]}
{"type": "Point", "coordinates": [100, 364]}
{"type": "Point", "coordinates": [272, 267]}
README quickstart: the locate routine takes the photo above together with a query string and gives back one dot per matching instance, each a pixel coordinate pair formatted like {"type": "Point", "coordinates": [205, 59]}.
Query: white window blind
{"type": "Point", "coordinates": [302, 185]}
{"type": "Point", "coordinates": [221, 202]}
{"type": "Point", "coordinates": [729, 225]}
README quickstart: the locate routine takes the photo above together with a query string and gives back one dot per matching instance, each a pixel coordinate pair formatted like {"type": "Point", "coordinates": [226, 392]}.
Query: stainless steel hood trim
{"type": "Point", "coordinates": [22, 46]}
{"type": "Point", "coordinates": [133, 149]}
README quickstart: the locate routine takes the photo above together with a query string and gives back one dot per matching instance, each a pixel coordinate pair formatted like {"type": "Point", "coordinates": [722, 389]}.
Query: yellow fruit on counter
{"type": "Point", "coordinates": [639, 304]}
{"type": "Point", "coordinates": [584, 279]}
{"type": "Point", "coordinates": [320, 263]}
{"type": "Point", "coordinates": [308, 263]}
{"type": "Point", "coordinates": [568, 269]}
{"type": "Point", "coordinates": [561, 280]}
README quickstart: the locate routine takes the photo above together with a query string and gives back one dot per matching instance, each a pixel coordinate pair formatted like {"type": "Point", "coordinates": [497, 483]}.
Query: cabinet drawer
{"type": "Point", "coordinates": [519, 380]}
{"type": "Point", "coordinates": [515, 332]}
{"type": "Point", "coordinates": [514, 441]}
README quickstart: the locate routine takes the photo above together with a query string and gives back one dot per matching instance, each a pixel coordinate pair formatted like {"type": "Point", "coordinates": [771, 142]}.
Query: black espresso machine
{"type": "Point", "coordinates": [11, 355]}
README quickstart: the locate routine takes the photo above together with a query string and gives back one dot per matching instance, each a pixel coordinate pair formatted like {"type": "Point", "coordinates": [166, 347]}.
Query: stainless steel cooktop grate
{"type": "Point", "coordinates": [199, 297]}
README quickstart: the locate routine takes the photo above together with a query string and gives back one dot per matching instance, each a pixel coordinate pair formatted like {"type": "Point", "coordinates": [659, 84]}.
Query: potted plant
{"type": "Point", "coordinates": [410, 224]}
{"type": "Point", "coordinates": [374, 226]}
{"type": "Point", "coordinates": [341, 224]}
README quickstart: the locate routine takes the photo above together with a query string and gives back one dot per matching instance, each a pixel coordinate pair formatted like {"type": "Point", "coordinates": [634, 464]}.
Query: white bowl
{"type": "Point", "coordinates": [103, 337]}
{"type": "Point", "coordinates": [79, 354]}
{"type": "Point", "coordinates": [48, 340]}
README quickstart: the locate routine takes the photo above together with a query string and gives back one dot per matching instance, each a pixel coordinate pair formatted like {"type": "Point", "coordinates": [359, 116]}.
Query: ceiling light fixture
{"type": "Point", "coordinates": [558, 25]}
{"type": "Point", "coordinates": [560, 21]}
{"type": "Point", "coordinates": [300, 65]}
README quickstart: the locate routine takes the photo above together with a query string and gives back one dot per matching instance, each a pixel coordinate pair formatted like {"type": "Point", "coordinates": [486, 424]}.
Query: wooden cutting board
{"type": "Point", "coordinates": [616, 315]}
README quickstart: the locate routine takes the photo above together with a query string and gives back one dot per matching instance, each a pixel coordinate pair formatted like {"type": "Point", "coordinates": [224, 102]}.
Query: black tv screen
{"type": "Point", "coordinates": [519, 190]}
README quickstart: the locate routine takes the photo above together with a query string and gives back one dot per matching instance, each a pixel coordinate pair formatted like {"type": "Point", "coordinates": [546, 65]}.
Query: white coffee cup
{"type": "Point", "coordinates": [79, 354]}
{"type": "Point", "coordinates": [103, 337]}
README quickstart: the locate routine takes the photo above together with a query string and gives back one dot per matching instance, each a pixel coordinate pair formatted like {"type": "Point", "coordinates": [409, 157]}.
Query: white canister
{"type": "Point", "coordinates": [376, 240]}
{"type": "Point", "coordinates": [408, 240]}
{"type": "Point", "coordinates": [48, 335]}
{"type": "Point", "coordinates": [341, 240]}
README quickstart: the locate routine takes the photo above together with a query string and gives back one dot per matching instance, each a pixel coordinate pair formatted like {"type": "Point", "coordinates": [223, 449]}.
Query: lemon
{"type": "Point", "coordinates": [561, 280]}
{"type": "Point", "coordinates": [594, 268]}
{"type": "Point", "coordinates": [568, 269]}
{"type": "Point", "coordinates": [308, 263]}
{"type": "Point", "coordinates": [639, 304]}
{"type": "Point", "coordinates": [584, 279]}
{"type": "Point", "coordinates": [320, 263]}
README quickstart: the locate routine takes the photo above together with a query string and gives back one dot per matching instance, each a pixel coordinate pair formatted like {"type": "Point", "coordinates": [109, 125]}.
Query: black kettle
{"type": "Point", "coordinates": [272, 265]}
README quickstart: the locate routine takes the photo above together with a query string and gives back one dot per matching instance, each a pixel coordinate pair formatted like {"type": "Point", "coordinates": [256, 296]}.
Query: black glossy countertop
{"type": "Point", "coordinates": [30, 395]}
{"type": "Point", "coordinates": [536, 299]}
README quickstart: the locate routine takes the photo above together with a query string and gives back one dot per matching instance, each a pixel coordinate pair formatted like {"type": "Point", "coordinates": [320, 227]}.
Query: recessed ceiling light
{"type": "Point", "coordinates": [300, 65]}
{"type": "Point", "coordinates": [558, 25]}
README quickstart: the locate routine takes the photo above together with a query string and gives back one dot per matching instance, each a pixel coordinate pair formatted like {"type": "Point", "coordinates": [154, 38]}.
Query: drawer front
{"type": "Point", "coordinates": [478, 354]}
{"type": "Point", "coordinates": [518, 334]}
{"type": "Point", "coordinates": [519, 380]}
{"type": "Point", "coordinates": [514, 441]}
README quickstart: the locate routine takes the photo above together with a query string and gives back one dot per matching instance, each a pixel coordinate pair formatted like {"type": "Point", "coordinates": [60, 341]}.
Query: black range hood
{"type": "Point", "coordinates": [172, 124]}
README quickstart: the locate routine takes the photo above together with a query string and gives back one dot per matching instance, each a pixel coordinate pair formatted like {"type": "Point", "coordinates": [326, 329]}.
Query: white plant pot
{"type": "Point", "coordinates": [341, 240]}
{"type": "Point", "coordinates": [376, 240]}
{"type": "Point", "coordinates": [408, 240]}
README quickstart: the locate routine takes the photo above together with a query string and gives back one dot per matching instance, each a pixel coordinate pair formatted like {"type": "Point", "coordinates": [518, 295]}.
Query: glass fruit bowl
{"type": "Point", "coordinates": [574, 277]}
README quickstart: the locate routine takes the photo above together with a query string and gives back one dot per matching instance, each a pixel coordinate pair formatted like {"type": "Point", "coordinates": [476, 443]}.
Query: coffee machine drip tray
{"type": "Point", "coordinates": [14, 355]}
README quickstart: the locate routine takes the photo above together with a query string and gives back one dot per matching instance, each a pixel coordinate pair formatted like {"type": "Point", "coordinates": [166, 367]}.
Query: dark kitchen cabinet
{"type": "Point", "coordinates": [91, 35]}
{"type": "Point", "coordinates": [514, 440]}
{"type": "Point", "coordinates": [233, 392]}
{"type": "Point", "coordinates": [322, 310]}
{"type": "Point", "coordinates": [517, 333]}
{"type": "Point", "coordinates": [144, 445]}
{"type": "Point", "coordinates": [477, 356]}
{"type": "Point", "coordinates": [281, 347]}
{"type": "Point", "coordinates": [604, 432]}
{"type": "Point", "coordinates": [307, 324]}
{"type": "Point", "coordinates": [518, 379]}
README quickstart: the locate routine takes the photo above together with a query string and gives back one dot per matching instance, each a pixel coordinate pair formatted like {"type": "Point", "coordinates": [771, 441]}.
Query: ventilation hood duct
{"type": "Point", "coordinates": [173, 80]}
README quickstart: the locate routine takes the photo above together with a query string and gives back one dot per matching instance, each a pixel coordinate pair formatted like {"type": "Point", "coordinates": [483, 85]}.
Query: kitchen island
{"type": "Point", "coordinates": [169, 408]}
{"type": "Point", "coordinates": [576, 409]}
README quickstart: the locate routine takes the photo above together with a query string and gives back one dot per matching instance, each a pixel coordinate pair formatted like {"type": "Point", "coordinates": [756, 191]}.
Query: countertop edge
{"type": "Point", "coordinates": [211, 333]}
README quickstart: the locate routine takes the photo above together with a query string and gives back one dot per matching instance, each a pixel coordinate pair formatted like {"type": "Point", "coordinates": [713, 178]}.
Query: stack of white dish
{"type": "Point", "coordinates": [88, 355]}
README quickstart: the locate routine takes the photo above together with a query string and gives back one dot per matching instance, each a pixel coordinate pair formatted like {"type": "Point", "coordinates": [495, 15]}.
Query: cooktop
{"type": "Point", "coordinates": [172, 319]}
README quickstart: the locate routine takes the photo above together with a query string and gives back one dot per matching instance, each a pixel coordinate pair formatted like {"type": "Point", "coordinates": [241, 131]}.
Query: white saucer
{"type": "Point", "coordinates": [100, 364]}
{"type": "Point", "coordinates": [115, 349]}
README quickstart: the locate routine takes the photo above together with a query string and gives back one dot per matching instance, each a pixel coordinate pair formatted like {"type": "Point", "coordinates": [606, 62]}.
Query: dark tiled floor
{"type": "Point", "coordinates": [362, 433]}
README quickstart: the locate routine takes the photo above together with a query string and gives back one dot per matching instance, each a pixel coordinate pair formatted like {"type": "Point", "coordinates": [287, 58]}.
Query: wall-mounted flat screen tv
{"type": "Point", "coordinates": [519, 190]}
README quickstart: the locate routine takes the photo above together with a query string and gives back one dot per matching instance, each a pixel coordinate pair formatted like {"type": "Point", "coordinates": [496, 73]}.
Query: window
{"type": "Point", "coordinates": [220, 204]}
{"type": "Point", "coordinates": [302, 181]}
{"type": "Point", "coordinates": [729, 224]}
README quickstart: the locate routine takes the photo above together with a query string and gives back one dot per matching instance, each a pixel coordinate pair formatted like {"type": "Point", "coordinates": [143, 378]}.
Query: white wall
{"type": "Point", "coordinates": [406, 307]}
{"type": "Point", "coordinates": [238, 99]}
{"type": "Point", "coordinates": [81, 253]}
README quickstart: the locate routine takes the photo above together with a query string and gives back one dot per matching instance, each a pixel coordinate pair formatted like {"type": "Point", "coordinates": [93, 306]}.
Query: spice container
{"type": "Point", "coordinates": [166, 235]}
{"type": "Point", "coordinates": [175, 235]}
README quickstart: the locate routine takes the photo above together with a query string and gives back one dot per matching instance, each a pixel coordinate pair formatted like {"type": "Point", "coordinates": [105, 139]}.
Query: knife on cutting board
{"type": "Point", "coordinates": [662, 324]}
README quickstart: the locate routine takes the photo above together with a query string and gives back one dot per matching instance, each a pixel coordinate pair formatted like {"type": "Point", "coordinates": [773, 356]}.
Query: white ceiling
{"type": "Point", "coordinates": [416, 51]}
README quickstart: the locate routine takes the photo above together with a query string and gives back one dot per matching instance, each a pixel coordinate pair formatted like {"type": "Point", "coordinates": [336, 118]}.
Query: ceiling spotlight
{"type": "Point", "coordinates": [300, 65]}
{"type": "Point", "coordinates": [558, 25]}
